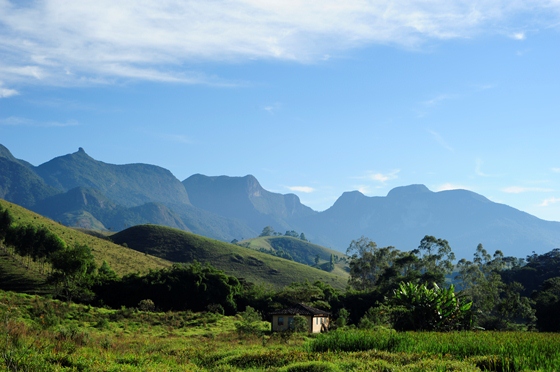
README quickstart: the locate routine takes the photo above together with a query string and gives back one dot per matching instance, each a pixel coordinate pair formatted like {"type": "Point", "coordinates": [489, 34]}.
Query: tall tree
{"type": "Point", "coordinates": [73, 270]}
{"type": "Point", "coordinates": [436, 259]}
{"type": "Point", "coordinates": [369, 263]}
{"type": "Point", "coordinates": [267, 231]}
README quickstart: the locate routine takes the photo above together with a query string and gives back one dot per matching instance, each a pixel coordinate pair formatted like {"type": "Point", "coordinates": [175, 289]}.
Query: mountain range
{"type": "Point", "coordinates": [78, 190]}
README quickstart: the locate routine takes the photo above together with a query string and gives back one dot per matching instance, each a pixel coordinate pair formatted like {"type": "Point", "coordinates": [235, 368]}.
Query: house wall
{"type": "Point", "coordinates": [314, 323]}
{"type": "Point", "coordinates": [317, 323]}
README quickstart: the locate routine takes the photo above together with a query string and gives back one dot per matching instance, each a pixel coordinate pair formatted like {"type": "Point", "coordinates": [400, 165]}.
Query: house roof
{"type": "Point", "coordinates": [301, 309]}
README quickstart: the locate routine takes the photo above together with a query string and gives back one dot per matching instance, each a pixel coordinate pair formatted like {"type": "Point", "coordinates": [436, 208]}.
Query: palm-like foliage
{"type": "Point", "coordinates": [419, 307]}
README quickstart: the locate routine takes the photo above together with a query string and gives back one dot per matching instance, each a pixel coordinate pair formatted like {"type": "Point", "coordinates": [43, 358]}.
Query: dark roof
{"type": "Point", "coordinates": [300, 309]}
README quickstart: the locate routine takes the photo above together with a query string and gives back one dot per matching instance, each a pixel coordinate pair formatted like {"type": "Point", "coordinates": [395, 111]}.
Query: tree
{"type": "Point", "coordinates": [368, 263]}
{"type": "Point", "coordinates": [6, 221]}
{"type": "Point", "coordinates": [547, 302]}
{"type": "Point", "coordinates": [435, 258]}
{"type": "Point", "coordinates": [267, 231]}
{"type": "Point", "coordinates": [300, 324]}
{"type": "Point", "coordinates": [343, 318]}
{"type": "Point", "coordinates": [73, 270]}
{"type": "Point", "coordinates": [480, 280]}
{"type": "Point", "coordinates": [331, 263]}
{"type": "Point", "coordinates": [250, 322]}
{"type": "Point", "coordinates": [302, 237]}
{"type": "Point", "coordinates": [496, 305]}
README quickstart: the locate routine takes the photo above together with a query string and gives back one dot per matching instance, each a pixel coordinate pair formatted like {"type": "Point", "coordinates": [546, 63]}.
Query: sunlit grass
{"type": "Point", "coordinates": [122, 260]}
{"type": "Point", "coordinates": [45, 335]}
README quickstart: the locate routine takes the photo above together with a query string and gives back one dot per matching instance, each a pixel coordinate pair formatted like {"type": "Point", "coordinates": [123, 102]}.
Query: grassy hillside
{"type": "Point", "coordinates": [179, 246]}
{"type": "Point", "coordinates": [122, 260]}
{"type": "Point", "coordinates": [299, 250]}
{"type": "Point", "coordinates": [302, 251]}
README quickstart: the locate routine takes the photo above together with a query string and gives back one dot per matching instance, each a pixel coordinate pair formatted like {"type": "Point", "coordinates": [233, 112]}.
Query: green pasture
{"type": "Point", "coordinates": [38, 334]}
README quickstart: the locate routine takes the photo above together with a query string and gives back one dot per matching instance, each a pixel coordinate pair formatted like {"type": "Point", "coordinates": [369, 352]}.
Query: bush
{"type": "Point", "coordinates": [146, 305]}
{"type": "Point", "coordinates": [250, 323]}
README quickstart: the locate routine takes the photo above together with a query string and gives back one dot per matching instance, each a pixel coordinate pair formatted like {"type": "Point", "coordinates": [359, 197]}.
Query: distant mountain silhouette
{"type": "Point", "coordinates": [408, 213]}
{"type": "Point", "coordinates": [19, 183]}
{"type": "Point", "coordinates": [127, 185]}
{"type": "Point", "coordinates": [78, 190]}
{"type": "Point", "coordinates": [88, 208]}
{"type": "Point", "coordinates": [243, 198]}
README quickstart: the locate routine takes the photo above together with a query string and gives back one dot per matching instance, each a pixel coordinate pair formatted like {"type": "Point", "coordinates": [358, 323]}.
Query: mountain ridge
{"type": "Point", "coordinates": [227, 208]}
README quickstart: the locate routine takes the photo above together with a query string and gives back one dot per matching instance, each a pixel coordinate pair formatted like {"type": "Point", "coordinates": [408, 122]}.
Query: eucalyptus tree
{"type": "Point", "coordinates": [435, 259]}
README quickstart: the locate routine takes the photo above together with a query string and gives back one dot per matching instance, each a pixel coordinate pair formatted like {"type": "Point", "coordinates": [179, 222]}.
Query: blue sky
{"type": "Point", "coordinates": [311, 97]}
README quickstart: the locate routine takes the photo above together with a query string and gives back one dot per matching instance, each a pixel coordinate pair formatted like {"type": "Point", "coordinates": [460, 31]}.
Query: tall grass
{"type": "Point", "coordinates": [514, 351]}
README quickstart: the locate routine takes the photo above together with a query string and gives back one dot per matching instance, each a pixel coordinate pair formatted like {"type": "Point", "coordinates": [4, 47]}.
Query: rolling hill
{"type": "Point", "coordinates": [180, 246]}
{"type": "Point", "coordinates": [122, 260]}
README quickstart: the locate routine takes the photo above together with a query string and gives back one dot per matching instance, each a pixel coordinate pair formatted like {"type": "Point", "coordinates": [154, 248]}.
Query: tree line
{"type": "Point", "coordinates": [421, 289]}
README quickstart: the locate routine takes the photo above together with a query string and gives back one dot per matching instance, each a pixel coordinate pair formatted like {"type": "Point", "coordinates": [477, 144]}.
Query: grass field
{"type": "Point", "coordinates": [37, 334]}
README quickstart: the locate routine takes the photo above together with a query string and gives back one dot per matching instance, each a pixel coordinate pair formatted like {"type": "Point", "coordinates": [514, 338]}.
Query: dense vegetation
{"type": "Point", "coordinates": [38, 334]}
{"type": "Point", "coordinates": [389, 291]}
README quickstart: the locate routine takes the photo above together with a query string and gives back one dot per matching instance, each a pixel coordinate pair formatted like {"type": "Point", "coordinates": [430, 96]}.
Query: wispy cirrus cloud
{"type": "Point", "coordinates": [479, 172]}
{"type": "Point", "coordinates": [549, 201]}
{"type": "Point", "coordinates": [98, 41]}
{"type": "Point", "coordinates": [304, 189]}
{"type": "Point", "coordinates": [19, 121]}
{"type": "Point", "coordinates": [438, 99]}
{"type": "Point", "coordinates": [439, 139]}
{"type": "Point", "coordinates": [520, 189]}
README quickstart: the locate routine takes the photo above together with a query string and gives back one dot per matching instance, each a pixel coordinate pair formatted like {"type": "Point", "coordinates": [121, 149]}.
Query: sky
{"type": "Point", "coordinates": [314, 98]}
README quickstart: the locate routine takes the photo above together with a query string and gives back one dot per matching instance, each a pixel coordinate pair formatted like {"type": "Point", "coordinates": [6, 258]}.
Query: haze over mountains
{"type": "Point", "coordinates": [78, 190]}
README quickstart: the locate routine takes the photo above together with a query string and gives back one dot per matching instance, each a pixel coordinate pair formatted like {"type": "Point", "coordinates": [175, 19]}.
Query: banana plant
{"type": "Point", "coordinates": [419, 307]}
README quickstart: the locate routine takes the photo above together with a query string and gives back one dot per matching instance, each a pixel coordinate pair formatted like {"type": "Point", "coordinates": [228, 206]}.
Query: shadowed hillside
{"type": "Point", "coordinates": [179, 246]}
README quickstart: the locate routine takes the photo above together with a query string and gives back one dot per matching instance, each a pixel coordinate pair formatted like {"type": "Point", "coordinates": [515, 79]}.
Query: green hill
{"type": "Point", "coordinates": [257, 267]}
{"type": "Point", "coordinates": [301, 250]}
{"type": "Point", "coordinates": [121, 259]}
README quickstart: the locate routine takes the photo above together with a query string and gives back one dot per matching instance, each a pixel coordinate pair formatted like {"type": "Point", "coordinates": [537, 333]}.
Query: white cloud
{"type": "Point", "coordinates": [383, 177]}
{"type": "Point", "coordinates": [271, 109]}
{"type": "Point", "coordinates": [91, 41]}
{"type": "Point", "coordinates": [18, 121]}
{"type": "Point", "coordinates": [549, 201]}
{"type": "Point", "coordinates": [5, 92]}
{"type": "Point", "coordinates": [556, 170]}
{"type": "Point", "coordinates": [518, 36]}
{"type": "Point", "coordinates": [304, 189]}
{"type": "Point", "coordinates": [451, 186]}
{"type": "Point", "coordinates": [519, 189]}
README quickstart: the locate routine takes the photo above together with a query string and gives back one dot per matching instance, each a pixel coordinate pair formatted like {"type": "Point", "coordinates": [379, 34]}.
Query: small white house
{"type": "Point", "coordinates": [317, 319]}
